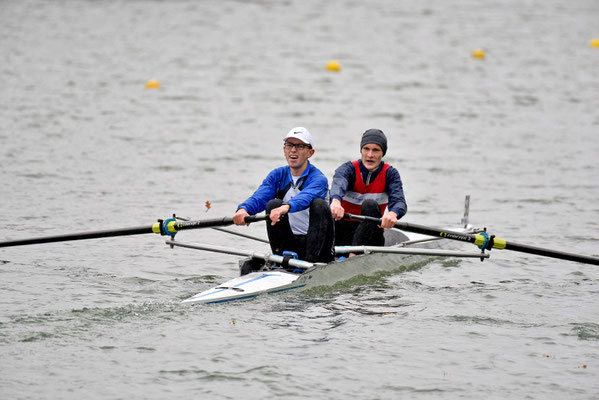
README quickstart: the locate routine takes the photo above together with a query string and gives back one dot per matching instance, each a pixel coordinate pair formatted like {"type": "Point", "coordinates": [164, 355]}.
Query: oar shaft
{"type": "Point", "coordinates": [424, 230]}
{"type": "Point", "coordinates": [209, 223]}
{"type": "Point", "coordinates": [79, 236]}
{"type": "Point", "coordinates": [480, 240]}
{"type": "Point", "coordinates": [238, 252]}
{"type": "Point", "coordinates": [244, 235]}
{"type": "Point", "coordinates": [407, 251]}
{"type": "Point", "coordinates": [171, 227]}
{"type": "Point", "coordinates": [539, 251]}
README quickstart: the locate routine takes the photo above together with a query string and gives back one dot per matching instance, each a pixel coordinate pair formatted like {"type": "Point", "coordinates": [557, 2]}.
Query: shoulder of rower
{"type": "Point", "coordinates": [392, 173]}
{"type": "Point", "coordinates": [279, 173]}
{"type": "Point", "coordinates": [314, 174]}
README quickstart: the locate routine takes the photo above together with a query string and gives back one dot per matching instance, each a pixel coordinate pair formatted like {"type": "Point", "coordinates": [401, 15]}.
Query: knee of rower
{"type": "Point", "coordinates": [371, 208]}
{"type": "Point", "coordinates": [319, 205]}
{"type": "Point", "coordinates": [272, 204]}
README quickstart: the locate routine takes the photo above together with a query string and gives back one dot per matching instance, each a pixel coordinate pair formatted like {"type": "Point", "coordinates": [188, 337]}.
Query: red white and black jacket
{"type": "Point", "coordinates": [353, 183]}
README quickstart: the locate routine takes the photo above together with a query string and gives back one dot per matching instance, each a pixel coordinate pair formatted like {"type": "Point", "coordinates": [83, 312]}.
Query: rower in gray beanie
{"type": "Point", "coordinates": [375, 136]}
{"type": "Point", "coordinates": [367, 186]}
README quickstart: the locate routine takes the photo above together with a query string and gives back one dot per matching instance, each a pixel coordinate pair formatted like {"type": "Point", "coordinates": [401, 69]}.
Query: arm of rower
{"type": "Point", "coordinates": [394, 188]}
{"type": "Point", "coordinates": [266, 191]}
{"type": "Point", "coordinates": [341, 179]}
{"type": "Point", "coordinates": [339, 188]}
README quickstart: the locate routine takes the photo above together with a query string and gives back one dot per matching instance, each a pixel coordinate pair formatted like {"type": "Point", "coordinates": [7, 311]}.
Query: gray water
{"type": "Point", "coordinates": [84, 146]}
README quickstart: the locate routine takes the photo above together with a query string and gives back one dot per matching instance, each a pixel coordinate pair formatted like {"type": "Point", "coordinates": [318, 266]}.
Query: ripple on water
{"type": "Point", "coordinates": [80, 323]}
{"type": "Point", "coordinates": [586, 331]}
{"type": "Point", "coordinates": [488, 321]}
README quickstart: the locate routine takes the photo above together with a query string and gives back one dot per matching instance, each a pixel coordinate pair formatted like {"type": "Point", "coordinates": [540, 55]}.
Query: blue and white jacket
{"type": "Point", "coordinates": [279, 184]}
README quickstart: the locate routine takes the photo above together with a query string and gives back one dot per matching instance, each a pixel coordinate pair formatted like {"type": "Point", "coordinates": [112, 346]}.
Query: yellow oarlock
{"type": "Point", "coordinates": [497, 243]}
{"type": "Point", "coordinates": [170, 227]}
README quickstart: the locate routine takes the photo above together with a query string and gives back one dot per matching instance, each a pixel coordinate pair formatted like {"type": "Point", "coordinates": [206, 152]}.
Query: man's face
{"type": "Point", "coordinates": [297, 153]}
{"type": "Point", "coordinates": [372, 155]}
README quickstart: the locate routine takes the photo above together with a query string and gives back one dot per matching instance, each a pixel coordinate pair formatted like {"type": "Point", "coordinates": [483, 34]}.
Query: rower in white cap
{"type": "Point", "coordinates": [294, 197]}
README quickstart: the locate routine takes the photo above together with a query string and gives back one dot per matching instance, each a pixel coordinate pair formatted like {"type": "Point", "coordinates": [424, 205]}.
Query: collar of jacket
{"type": "Point", "coordinates": [365, 171]}
{"type": "Point", "coordinates": [305, 173]}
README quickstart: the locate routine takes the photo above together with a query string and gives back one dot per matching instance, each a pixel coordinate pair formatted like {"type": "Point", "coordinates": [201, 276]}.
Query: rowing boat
{"type": "Point", "coordinates": [272, 278]}
{"type": "Point", "coordinates": [402, 250]}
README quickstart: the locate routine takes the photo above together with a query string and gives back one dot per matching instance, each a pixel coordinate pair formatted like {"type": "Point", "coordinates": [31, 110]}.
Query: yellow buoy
{"type": "Point", "coordinates": [478, 54]}
{"type": "Point", "coordinates": [333, 66]}
{"type": "Point", "coordinates": [152, 84]}
{"type": "Point", "coordinates": [595, 42]}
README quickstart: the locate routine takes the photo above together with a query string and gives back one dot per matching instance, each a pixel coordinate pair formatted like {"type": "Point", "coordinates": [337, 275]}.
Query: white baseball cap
{"type": "Point", "coordinates": [300, 133]}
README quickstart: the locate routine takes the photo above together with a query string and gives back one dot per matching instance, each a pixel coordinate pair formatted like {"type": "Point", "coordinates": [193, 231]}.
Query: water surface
{"type": "Point", "coordinates": [83, 146]}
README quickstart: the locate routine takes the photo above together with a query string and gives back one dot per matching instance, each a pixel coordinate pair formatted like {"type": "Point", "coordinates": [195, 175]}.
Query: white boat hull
{"type": "Point", "coordinates": [247, 287]}
{"type": "Point", "coordinates": [278, 280]}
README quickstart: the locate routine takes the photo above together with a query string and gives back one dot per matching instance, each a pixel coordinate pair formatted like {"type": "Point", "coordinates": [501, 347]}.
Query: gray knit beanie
{"type": "Point", "coordinates": [375, 136]}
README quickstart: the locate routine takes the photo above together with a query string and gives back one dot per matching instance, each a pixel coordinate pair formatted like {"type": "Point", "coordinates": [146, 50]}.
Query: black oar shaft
{"type": "Point", "coordinates": [539, 251]}
{"type": "Point", "coordinates": [209, 223]}
{"type": "Point", "coordinates": [171, 227]}
{"type": "Point", "coordinates": [423, 230]}
{"type": "Point", "coordinates": [480, 240]}
{"type": "Point", "coordinates": [79, 236]}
